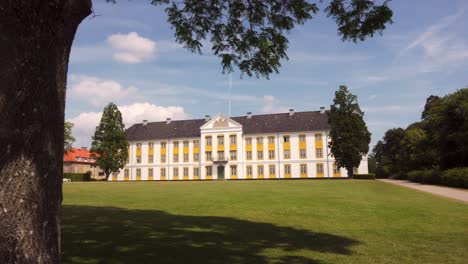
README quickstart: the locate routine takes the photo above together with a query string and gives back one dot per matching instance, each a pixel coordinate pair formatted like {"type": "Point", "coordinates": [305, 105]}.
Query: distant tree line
{"type": "Point", "coordinates": [429, 150]}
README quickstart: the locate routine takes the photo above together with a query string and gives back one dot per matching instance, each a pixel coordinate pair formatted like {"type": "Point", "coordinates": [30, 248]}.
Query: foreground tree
{"type": "Point", "coordinates": [109, 145]}
{"type": "Point", "coordinates": [35, 42]}
{"type": "Point", "coordinates": [68, 138]}
{"type": "Point", "coordinates": [349, 137]}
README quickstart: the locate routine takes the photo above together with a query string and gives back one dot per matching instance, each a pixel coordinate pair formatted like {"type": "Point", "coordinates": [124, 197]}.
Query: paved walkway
{"type": "Point", "coordinates": [453, 193]}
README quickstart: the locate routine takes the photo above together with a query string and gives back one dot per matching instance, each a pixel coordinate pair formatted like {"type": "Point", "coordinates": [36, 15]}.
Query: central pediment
{"type": "Point", "coordinates": [221, 121]}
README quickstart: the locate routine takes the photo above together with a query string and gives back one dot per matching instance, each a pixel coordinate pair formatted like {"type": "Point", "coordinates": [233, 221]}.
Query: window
{"type": "Point", "coordinates": [176, 157]}
{"type": "Point", "coordinates": [176, 144]}
{"type": "Point", "coordinates": [196, 172]}
{"type": "Point", "coordinates": [272, 169]}
{"type": "Point", "coordinates": [186, 157]}
{"type": "Point", "coordinates": [150, 172]}
{"type": "Point", "coordinates": [249, 170]}
{"type": "Point", "coordinates": [163, 145]}
{"type": "Point", "coordinates": [150, 145]}
{"type": "Point", "coordinates": [185, 144]}
{"type": "Point", "coordinates": [259, 140]}
{"type": "Point", "coordinates": [286, 139]}
{"type": "Point", "coordinates": [318, 152]}
{"type": "Point", "coordinates": [208, 156]}
{"type": "Point", "coordinates": [320, 168]}
{"type": "Point", "coordinates": [163, 157]}
{"type": "Point", "coordinates": [271, 140]}
{"type": "Point", "coordinates": [128, 159]}
{"type": "Point", "coordinates": [196, 143]}
{"type": "Point", "coordinates": [260, 154]}
{"type": "Point", "coordinates": [302, 153]}
{"type": "Point", "coordinates": [318, 137]}
{"type": "Point", "coordinates": [260, 170]}
{"type": "Point", "coordinates": [176, 172]}
{"type": "Point", "coordinates": [196, 157]}
{"type": "Point", "coordinates": [220, 155]}
{"type": "Point", "coordinates": [126, 173]}
{"type": "Point", "coordinates": [233, 155]}
{"type": "Point", "coordinates": [138, 159]}
{"type": "Point", "coordinates": [186, 174]}
{"type": "Point", "coordinates": [302, 138]}
{"type": "Point", "coordinates": [138, 172]}
{"type": "Point", "coordinates": [209, 170]}
{"type": "Point", "coordinates": [220, 140]}
{"type": "Point", "coordinates": [303, 169]}
{"type": "Point", "coordinates": [233, 139]}
{"type": "Point", "coordinates": [208, 141]}
{"type": "Point", "coordinates": [355, 171]}
{"type": "Point", "coordinates": [150, 158]}
{"type": "Point", "coordinates": [249, 155]}
{"type": "Point", "coordinates": [271, 154]}
{"type": "Point", "coordinates": [138, 146]}
{"type": "Point", "coordinates": [287, 154]}
{"type": "Point", "coordinates": [248, 141]}
{"type": "Point", "coordinates": [233, 170]}
{"type": "Point", "coordinates": [336, 169]}
{"type": "Point", "coordinates": [287, 169]}
{"type": "Point", "coordinates": [163, 172]}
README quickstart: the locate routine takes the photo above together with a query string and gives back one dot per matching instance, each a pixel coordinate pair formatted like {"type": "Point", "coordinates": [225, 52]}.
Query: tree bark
{"type": "Point", "coordinates": [35, 42]}
{"type": "Point", "coordinates": [350, 172]}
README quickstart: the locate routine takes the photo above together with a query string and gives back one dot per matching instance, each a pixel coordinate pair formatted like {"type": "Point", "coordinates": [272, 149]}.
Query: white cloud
{"type": "Point", "coordinates": [98, 91]}
{"type": "Point", "coordinates": [272, 105]}
{"type": "Point", "coordinates": [85, 123]}
{"type": "Point", "coordinates": [440, 44]}
{"type": "Point", "coordinates": [131, 48]}
{"type": "Point", "coordinates": [392, 109]}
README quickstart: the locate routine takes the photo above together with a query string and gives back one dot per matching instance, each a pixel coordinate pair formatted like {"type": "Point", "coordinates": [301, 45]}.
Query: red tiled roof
{"type": "Point", "coordinates": [72, 154]}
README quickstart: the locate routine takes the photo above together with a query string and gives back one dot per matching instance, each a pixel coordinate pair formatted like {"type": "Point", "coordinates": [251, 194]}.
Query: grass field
{"type": "Point", "coordinates": [290, 222]}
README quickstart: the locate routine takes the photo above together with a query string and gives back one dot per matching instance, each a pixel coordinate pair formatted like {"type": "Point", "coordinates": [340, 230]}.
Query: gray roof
{"type": "Point", "coordinates": [257, 124]}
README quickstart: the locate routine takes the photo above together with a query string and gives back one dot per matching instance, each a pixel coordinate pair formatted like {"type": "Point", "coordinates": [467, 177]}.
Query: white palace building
{"type": "Point", "coordinates": [272, 146]}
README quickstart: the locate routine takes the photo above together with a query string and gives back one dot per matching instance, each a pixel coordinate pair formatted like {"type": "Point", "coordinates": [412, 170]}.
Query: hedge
{"type": "Point", "coordinates": [425, 176]}
{"type": "Point", "coordinates": [370, 176]}
{"type": "Point", "coordinates": [457, 177]}
{"type": "Point", "coordinates": [78, 176]}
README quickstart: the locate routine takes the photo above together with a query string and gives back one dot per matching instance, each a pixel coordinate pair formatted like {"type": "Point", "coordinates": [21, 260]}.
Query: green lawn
{"type": "Point", "coordinates": [290, 222]}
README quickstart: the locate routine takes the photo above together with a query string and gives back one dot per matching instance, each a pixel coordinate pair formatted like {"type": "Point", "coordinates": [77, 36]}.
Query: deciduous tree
{"type": "Point", "coordinates": [35, 42]}
{"type": "Point", "coordinates": [349, 137]}
{"type": "Point", "coordinates": [68, 136]}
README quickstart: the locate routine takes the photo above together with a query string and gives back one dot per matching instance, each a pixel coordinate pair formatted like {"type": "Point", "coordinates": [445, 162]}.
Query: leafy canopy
{"type": "Point", "coordinates": [109, 145]}
{"type": "Point", "coordinates": [349, 137]}
{"type": "Point", "coordinates": [68, 137]}
{"type": "Point", "coordinates": [251, 34]}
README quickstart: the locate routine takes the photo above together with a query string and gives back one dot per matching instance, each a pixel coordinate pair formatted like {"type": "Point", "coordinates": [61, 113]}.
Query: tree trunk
{"type": "Point", "coordinates": [350, 172]}
{"type": "Point", "coordinates": [35, 41]}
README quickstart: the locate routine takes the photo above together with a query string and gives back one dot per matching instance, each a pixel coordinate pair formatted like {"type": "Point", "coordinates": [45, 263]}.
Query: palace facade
{"type": "Point", "coordinates": [272, 146]}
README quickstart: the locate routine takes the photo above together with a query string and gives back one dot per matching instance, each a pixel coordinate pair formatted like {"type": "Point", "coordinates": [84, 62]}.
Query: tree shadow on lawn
{"type": "Point", "coordinates": [115, 235]}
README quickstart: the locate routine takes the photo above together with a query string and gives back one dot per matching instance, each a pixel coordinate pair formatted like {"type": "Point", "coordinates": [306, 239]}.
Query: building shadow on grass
{"type": "Point", "coordinates": [115, 235]}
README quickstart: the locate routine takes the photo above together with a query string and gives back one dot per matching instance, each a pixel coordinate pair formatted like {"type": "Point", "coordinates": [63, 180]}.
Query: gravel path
{"type": "Point", "coordinates": [458, 194]}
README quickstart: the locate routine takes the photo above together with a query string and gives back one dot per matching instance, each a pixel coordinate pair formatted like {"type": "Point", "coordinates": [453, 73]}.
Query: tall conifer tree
{"type": "Point", "coordinates": [349, 135]}
{"type": "Point", "coordinates": [109, 143]}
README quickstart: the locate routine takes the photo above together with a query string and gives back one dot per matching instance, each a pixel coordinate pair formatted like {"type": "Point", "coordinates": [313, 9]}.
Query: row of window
{"type": "Point", "coordinates": [233, 170]}
{"type": "Point", "coordinates": [232, 156]}
{"type": "Point", "coordinates": [232, 139]}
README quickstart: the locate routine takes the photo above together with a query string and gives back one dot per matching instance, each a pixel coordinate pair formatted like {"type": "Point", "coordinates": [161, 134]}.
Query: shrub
{"type": "Point", "coordinates": [78, 176]}
{"type": "Point", "coordinates": [370, 176]}
{"type": "Point", "coordinates": [457, 177]}
{"type": "Point", "coordinates": [425, 176]}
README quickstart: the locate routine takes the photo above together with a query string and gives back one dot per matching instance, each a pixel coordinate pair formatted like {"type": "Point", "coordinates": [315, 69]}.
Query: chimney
{"type": "Point", "coordinates": [207, 117]}
{"type": "Point", "coordinates": [168, 120]}
{"type": "Point", "coordinates": [84, 148]}
{"type": "Point", "coordinates": [291, 112]}
{"type": "Point", "coordinates": [249, 114]}
{"type": "Point", "coordinates": [322, 110]}
{"type": "Point", "coordinates": [145, 122]}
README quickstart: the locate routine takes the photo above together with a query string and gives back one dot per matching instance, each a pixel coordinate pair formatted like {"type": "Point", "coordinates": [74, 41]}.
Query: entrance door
{"type": "Point", "coordinates": [220, 172]}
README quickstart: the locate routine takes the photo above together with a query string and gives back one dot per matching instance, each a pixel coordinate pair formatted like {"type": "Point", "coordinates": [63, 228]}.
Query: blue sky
{"type": "Point", "coordinates": [127, 54]}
